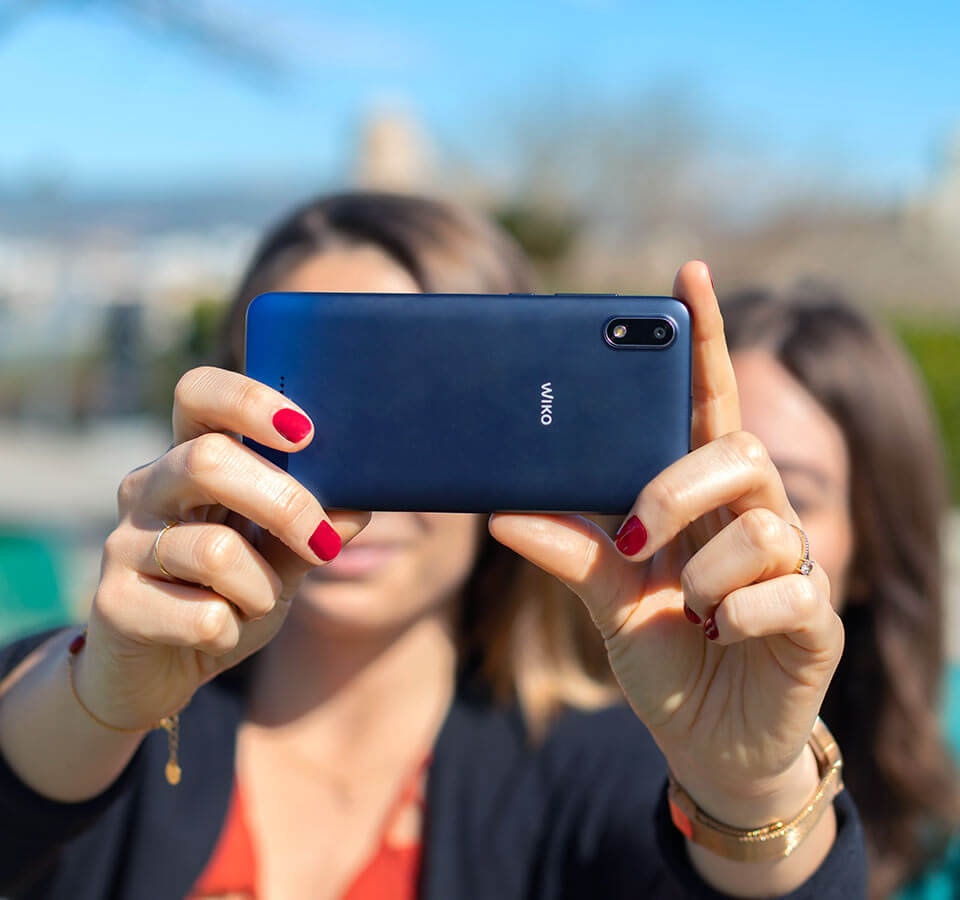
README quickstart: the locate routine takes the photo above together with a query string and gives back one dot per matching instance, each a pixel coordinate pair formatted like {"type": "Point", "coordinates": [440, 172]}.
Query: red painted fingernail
{"type": "Point", "coordinates": [77, 644]}
{"type": "Point", "coordinates": [690, 614]}
{"type": "Point", "coordinates": [710, 629]}
{"type": "Point", "coordinates": [631, 537]}
{"type": "Point", "coordinates": [292, 425]}
{"type": "Point", "coordinates": [325, 542]}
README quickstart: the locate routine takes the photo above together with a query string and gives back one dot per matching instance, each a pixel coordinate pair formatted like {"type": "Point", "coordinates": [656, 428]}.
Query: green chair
{"type": "Point", "coordinates": [31, 567]}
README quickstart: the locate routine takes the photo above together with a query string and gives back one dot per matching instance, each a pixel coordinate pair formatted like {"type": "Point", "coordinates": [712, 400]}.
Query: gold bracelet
{"type": "Point", "coordinates": [773, 841]}
{"type": "Point", "coordinates": [170, 724]}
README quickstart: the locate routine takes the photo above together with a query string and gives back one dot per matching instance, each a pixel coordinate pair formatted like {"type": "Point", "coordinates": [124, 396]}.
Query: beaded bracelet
{"type": "Point", "coordinates": [170, 724]}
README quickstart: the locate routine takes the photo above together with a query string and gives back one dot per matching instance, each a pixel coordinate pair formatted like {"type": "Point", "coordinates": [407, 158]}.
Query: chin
{"type": "Point", "coordinates": [349, 606]}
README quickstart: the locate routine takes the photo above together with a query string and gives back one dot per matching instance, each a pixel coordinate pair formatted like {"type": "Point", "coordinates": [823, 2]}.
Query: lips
{"type": "Point", "coordinates": [356, 560]}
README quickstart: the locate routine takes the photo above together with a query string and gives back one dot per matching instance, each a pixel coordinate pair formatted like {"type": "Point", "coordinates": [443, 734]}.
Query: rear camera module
{"type": "Point", "coordinates": [653, 333]}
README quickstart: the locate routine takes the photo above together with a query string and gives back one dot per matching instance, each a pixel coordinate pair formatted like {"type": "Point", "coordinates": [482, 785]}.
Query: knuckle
{"type": "Point", "coordinates": [218, 550]}
{"type": "Point", "coordinates": [207, 452]}
{"type": "Point", "coordinates": [107, 599]}
{"type": "Point", "coordinates": [804, 597]}
{"type": "Point", "coordinates": [211, 627]}
{"type": "Point", "coordinates": [276, 586]}
{"type": "Point", "coordinates": [183, 393]}
{"type": "Point", "coordinates": [749, 448]}
{"type": "Point", "coordinates": [733, 616]}
{"type": "Point", "coordinates": [127, 491]}
{"type": "Point", "coordinates": [249, 402]}
{"type": "Point", "coordinates": [588, 561]}
{"type": "Point", "coordinates": [263, 602]}
{"type": "Point", "coordinates": [819, 573]}
{"type": "Point", "coordinates": [659, 494]}
{"type": "Point", "coordinates": [689, 578]}
{"type": "Point", "coordinates": [114, 547]}
{"type": "Point", "coordinates": [291, 503]}
{"type": "Point", "coordinates": [184, 390]}
{"type": "Point", "coordinates": [841, 633]}
{"type": "Point", "coordinates": [761, 528]}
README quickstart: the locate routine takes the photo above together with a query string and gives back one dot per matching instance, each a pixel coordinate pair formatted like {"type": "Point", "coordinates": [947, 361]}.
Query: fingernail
{"type": "Point", "coordinates": [631, 537]}
{"type": "Point", "coordinates": [325, 542]}
{"type": "Point", "coordinates": [690, 614]}
{"type": "Point", "coordinates": [710, 276]}
{"type": "Point", "coordinates": [710, 629]}
{"type": "Point", "coordinates": [292, 425]}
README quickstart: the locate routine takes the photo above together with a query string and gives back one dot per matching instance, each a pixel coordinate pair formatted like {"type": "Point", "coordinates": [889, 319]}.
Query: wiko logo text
{"type": "Point", "coordinates": [546, 403]}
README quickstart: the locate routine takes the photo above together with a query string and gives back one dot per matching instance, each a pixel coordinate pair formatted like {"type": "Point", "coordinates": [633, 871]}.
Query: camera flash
{"type": "Point", "coordinates": [619, 331]}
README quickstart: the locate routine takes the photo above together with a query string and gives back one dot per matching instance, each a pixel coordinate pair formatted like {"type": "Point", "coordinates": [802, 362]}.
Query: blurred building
{"type": "Point", "coordinates": [935, 215]}
{"type": "Point", "coordinates": [393, 152]}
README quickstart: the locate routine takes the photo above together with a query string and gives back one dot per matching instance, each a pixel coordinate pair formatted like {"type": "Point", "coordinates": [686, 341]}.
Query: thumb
{"type": "Point", "coordinates": [582, 556]}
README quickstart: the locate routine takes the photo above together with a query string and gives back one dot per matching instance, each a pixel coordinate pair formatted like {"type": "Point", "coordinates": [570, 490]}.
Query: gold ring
{"type": "Point", "coordinates": [804, 564]}
{"type": "Point", "coordinates": [156, 548]}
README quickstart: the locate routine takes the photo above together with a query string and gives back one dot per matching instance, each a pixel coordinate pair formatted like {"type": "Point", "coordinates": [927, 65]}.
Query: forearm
{"type": "Point", "coordinates": [766, 879]}
{"type": "Point", "coordinates": [47, 739]}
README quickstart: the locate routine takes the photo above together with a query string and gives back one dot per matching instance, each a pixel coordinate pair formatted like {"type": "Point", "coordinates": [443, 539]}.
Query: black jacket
{"type": "Point", "coordinates": [583, 814]}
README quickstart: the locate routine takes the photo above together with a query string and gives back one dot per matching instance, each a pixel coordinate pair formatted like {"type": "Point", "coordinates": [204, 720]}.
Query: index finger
{"type": "Point", "coordinates": [716, 402]}
{"type": "Point", "coordinates": [209, 399]}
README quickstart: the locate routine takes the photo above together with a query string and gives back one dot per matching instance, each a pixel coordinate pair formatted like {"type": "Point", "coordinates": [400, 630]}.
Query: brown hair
{"type": "Point", "coordinates": [526, 635]}
{"type": "Point", "coordinates": [882, 704]}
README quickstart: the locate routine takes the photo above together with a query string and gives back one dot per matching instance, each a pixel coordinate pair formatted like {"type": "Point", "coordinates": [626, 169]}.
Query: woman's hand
{"type": "Point", "coordinates": [251, 533]}
{"type": "Point", "coordinates": [730, 702]}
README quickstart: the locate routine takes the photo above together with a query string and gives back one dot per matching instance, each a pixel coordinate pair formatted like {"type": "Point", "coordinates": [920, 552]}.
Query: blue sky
{"type": "Point", "coordinates": [867, 91]}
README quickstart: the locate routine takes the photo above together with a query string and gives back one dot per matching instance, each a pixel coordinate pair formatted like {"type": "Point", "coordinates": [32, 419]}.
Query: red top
{"type": "Point", "coordinates": [390, 872]}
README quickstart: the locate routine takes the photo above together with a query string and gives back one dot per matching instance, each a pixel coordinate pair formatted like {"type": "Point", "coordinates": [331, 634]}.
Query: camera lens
{"type": "Point", "coordinates": [659, 332]}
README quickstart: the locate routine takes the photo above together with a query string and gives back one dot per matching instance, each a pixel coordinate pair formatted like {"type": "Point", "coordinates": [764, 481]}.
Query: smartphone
{"type": "Point", "coordinates": [477, 402]}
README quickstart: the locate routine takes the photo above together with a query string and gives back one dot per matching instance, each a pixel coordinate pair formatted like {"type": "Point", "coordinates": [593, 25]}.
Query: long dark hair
{"type": "Point", "coordinates": [882, 704]}
{"type": "Point", "coordinates": [523, 634]}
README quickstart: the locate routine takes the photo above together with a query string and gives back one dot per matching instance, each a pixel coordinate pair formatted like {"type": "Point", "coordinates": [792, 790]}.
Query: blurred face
{"type": "Point", "coordinates": [809, 450]}
{"type": "Point", "coordinates": [402, 565]}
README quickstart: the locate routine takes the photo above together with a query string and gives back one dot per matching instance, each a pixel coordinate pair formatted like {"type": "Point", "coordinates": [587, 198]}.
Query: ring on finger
{"type": "Point", "coordinates": [804, 564]}
{"type": "Point", "coordinates": [156, 548]}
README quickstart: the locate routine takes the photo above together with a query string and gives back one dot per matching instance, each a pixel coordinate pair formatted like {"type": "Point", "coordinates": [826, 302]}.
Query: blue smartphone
{"type": "Point", "coordinates": [477, 402]}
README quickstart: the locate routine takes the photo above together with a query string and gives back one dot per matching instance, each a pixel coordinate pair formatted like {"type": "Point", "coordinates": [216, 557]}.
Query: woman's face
{"type": "Point", "coordinates": [808, 449]}
{"type": "Point", "coordinates": [402, 565]}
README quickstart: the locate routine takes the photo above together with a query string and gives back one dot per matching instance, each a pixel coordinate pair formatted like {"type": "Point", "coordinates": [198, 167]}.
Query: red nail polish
{"type": "Point", "coordinates": [325, 542]}
{"type": "Point", "coordinates": [77, 644]}
{"type": "Point", "coordinates": [292, 425]}
{"type": "Point", "coordinates": [631, 537]}
{"type": "Point", "coordinates": [691, 615]}
{"type": "Point", "coordinates": [710, 629]}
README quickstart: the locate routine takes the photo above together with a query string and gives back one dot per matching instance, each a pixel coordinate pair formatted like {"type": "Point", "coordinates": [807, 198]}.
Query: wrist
{"type": "Point", "coordinates": [86, 687]}
{"type": "Point", "coordinates": [758, 803]}
{"type": "Point", "coordinates": [170, 724]}
{"type": "Point", "coordinates": [764, 833]}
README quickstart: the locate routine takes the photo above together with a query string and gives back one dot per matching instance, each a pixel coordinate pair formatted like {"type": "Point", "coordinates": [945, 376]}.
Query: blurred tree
{"type": "Point", "coordinates": [637, 161]}
{"type": "Point", "coordinates": [546, 236]}
{"type": "Point", "coordinates": [197, 24]}
{"type": "Point", "coordinates": [935, 345]}
{"type": "Point", "coordinates": [195, 345]}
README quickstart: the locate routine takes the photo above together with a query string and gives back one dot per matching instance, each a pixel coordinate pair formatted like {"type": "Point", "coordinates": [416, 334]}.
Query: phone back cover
{"type": "Point", "coordinates": [473, 403]}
